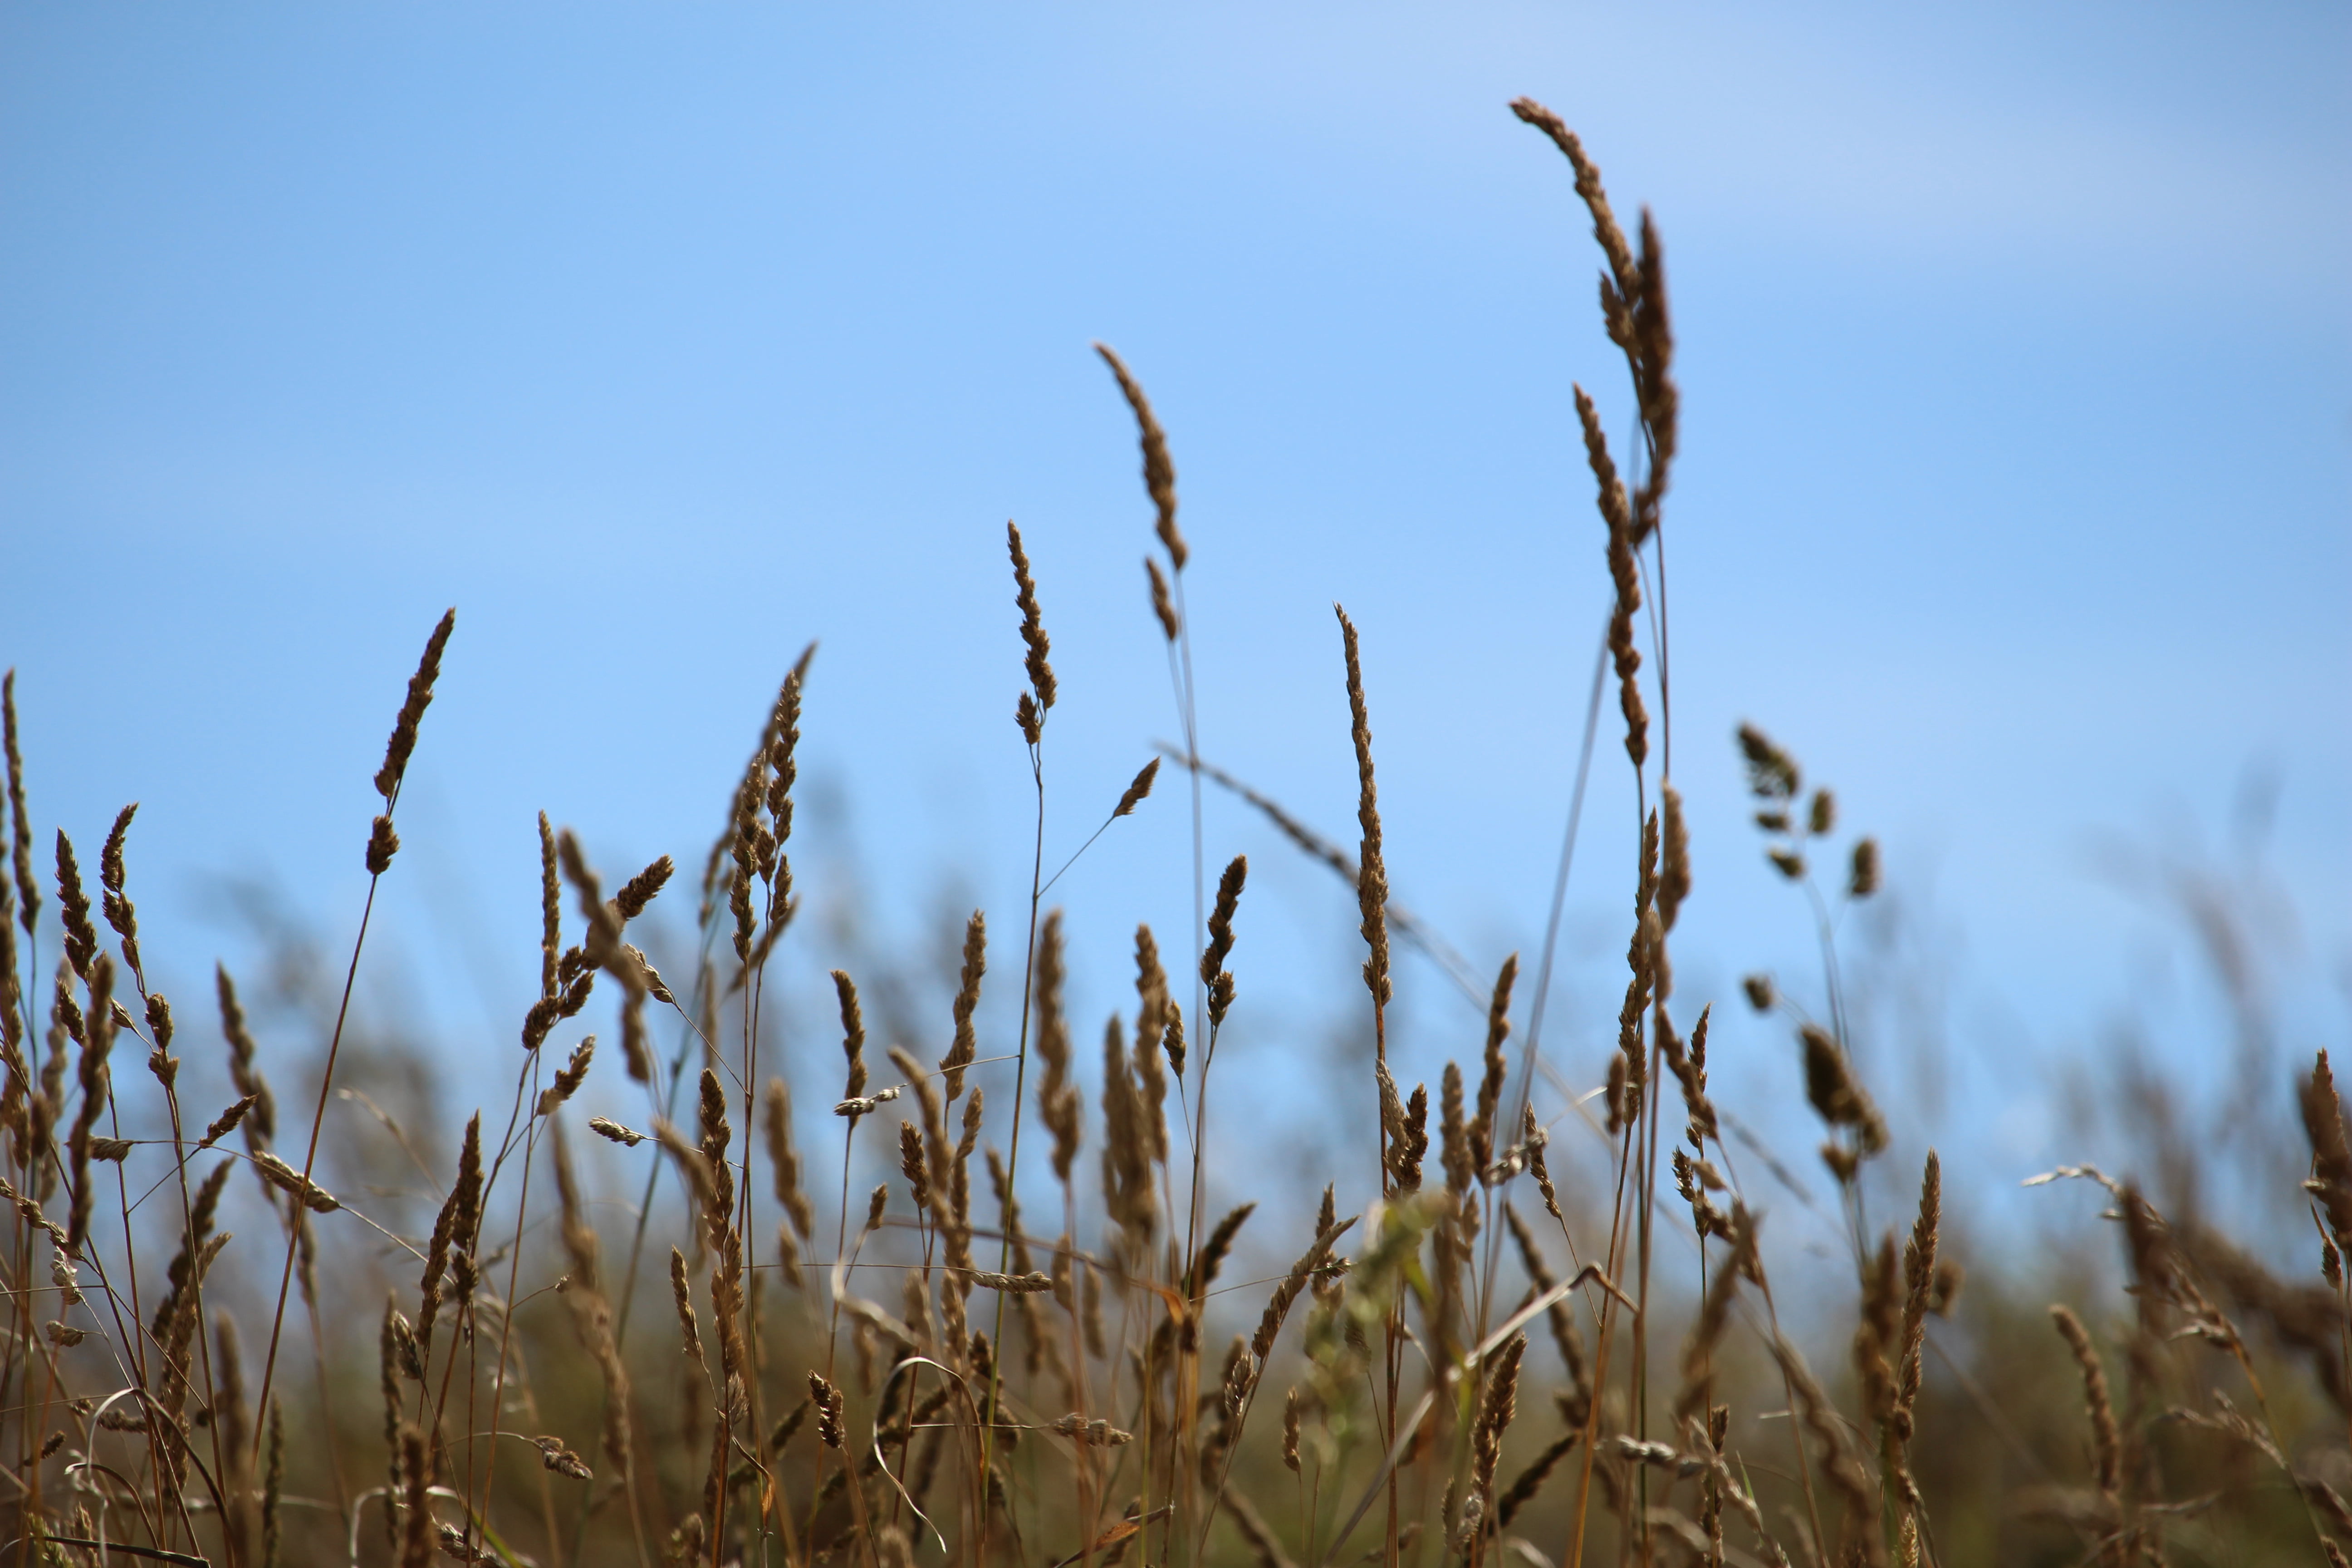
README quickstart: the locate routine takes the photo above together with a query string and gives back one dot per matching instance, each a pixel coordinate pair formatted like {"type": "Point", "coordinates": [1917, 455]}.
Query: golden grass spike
{"type": "Point", "coordinates": [1162, 606]}
{"type": "Point", "coordinates": [1498, 1069]}
{"type": "Point", "coordinates": [1920, 1287]}
{"type": "Point", "coordinates": [1090, 1312]}
{"type": "Point", "coordinates": [202, 1207]}
{"type": "Point", "coordinates": [29, 890]}
{"type": "Point", "coordinates": [1138, 790]}
{"type": "Point", "coordinates": [605, 1127]}
{"type": "Point", "coordinates": [681, 1294]}
{"type": "Point", "coordinates": [1215, 1251]}
{"type": "Point", "coordinates": [1214, 976]}
{"type": "Point", "coordinates": [935, 1150]}
{"type": "Point", "coordinates": [1835, 1094]}
{"type": "Point", "coordinates": [273, 1485]}
{"type": "Point", "coordinates": [1147, 1063]}
{"type": "Point", "coordinates": [1616, 509]}
{"type": "Point", "coordinates": [1619, 514]}
{"type": "Point", "coordinates": [642, 888]}
{"type": "Point", "coordinates": [550, 912]}
{"type": "Point", "coordinates": [1495, 1410]}
{"type": "Point", "coordinates": [1875, 1349]}
{"type": "Point", "coordinates": [1674, 872]}
{"type": "Point", "coordinates": [97, 1092]}
{"type": "Point", "coordinates": [1773, 772]}
{"type": "Point", "coordinates": [1158, 471]}
{"type": "Point", "coordinates": [1689, 1066]}
{"type": "Point", "coordinates": [852, 1033]}
{"type": "Point", "coordinates": [1371, 875]}
{"type": "Point", "coordinates": [160, 1061]}
{"type": "Point", "coordinates": [745, 850]}
{"type": "Point", "coordinates": [1530, 1479]}
{"type": "Point", "coordinates": [1413, 1145]}
{"type": "Point", "coordinates": [783, 770]}
{"type": "Point", "coordinates": [569, 1076]}
{"type": "Point", "coordinates": [786, 1162]}
{"type": "Point", "coordinates": [1454, 1134]}
{"type": "Point", "coordinates": [1150, 988]}
{"type": "Point", "coordinates": [1033, 632]}
{"type": "Point", "coordinates": [1310, 1263]}
{"type": "Point", "coordinates": [1652, 361]}
{"type": "Point", "coordinates": [12, 1017]}
{"type": "Point", "coordinates": [2106, 1442]}
{"type": "Point", "coordinates": [914, 1167]}
{"type": "Point", "coordinates": [449, 1229]}
{"type": "Point", "coordinates": [397, 749]}
{"type": "Point", "coordinates": [966, 1043]}
{"type": "Point", "coordinates": [718, 1188]}
{"type": "Point", "coordinates": [827, 1400]}
{"type": "Point", "coordinates": [388, 1368]}
{"type": "Point", "coordinates": [1058, 1103]}
{"type": "Point", "coordinates": [2331, 1153]}
{"type": "Point", "coordinates": [1532, 1140]}
{"type": "Point", "coordinates": [1862, 876]}
{"type": "Point", "coordinates": [1605, 227]}
{"type": "Point", "coordinates": [291, 1181]}
{"type": "Point", "coordinates": [73, 909]}
{"type": "Point", "coordinates": [418, 1532]}
{"type": "Point", "coordinates": [1171, 1041]}
{"type": "Point", "coordinates": [1128, 1195]}
{"type": "Point", "coordinates": [121, 914]}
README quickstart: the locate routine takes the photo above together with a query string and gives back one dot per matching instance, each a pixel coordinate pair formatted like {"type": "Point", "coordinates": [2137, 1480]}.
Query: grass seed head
{"type": "Point", "coordinates": [965, 1047]}
{"type": "Point", "coordinates": [1159, 470]}
{"type": "Point", "coordinates": [403, 743]}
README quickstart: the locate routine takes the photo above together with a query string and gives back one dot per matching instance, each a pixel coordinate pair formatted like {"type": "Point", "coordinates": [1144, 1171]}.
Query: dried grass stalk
{"type": "Point", "coordinates": [1158, 471]}
{"type": "Point", "coordinates": [1371, 876]}
{"type": "Point", "coordinates": [965, 1047]}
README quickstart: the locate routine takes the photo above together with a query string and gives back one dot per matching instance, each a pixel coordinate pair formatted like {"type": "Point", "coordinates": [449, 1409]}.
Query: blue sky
{"type": "Point", "coordinates": [660, 340]}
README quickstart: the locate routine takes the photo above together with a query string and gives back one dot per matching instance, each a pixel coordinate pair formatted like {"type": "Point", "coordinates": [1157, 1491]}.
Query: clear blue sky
{"type": "Point", "coordinates": [662, 339]}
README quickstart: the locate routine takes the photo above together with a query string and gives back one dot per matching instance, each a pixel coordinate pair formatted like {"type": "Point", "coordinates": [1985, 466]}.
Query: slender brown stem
{"type": "Point", "coordinates": [310, 1154]}
{"type": "Point", "coordinates": [1013, 1155]}
{"type": "Point", "coordinates": [1602, 1348]}
{"type": "Point", "coordinates": [514, 1274]}
{"type": "Point", "coordinates": [180, 1156]}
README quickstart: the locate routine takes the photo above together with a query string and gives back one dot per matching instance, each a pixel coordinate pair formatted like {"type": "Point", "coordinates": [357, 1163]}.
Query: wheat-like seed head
{"type": "Point", "coordinates": [2106, 1442]}
{"type": "Point", "coordinates": [1214, 976]}
{"type": "Point", "coordinates": [966, 1043]}
{"type": "Point", "coordinates": [1039, 698]}
{"type": "Point", "coordinates": [28, 890]}
{"type": "Point", "coordinates": [1058, 1102]}
{"type": "Point", "coordinates": [1158, 471]}
{"type": "Point", "coordinates": [1497, 1067]}
{"type": "Point", "coordinates": [403, 743]}
{"type": "Point", "coordinates": [1371, 875]}
{"type": "Point", "coordinates": [1163, 608]}
{"type": "Point", "coordinates": [784, 1162]}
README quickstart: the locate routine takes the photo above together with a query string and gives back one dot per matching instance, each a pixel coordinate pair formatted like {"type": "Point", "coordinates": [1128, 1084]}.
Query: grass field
{"type": "Point", "coordinates": [1551, 1338]}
